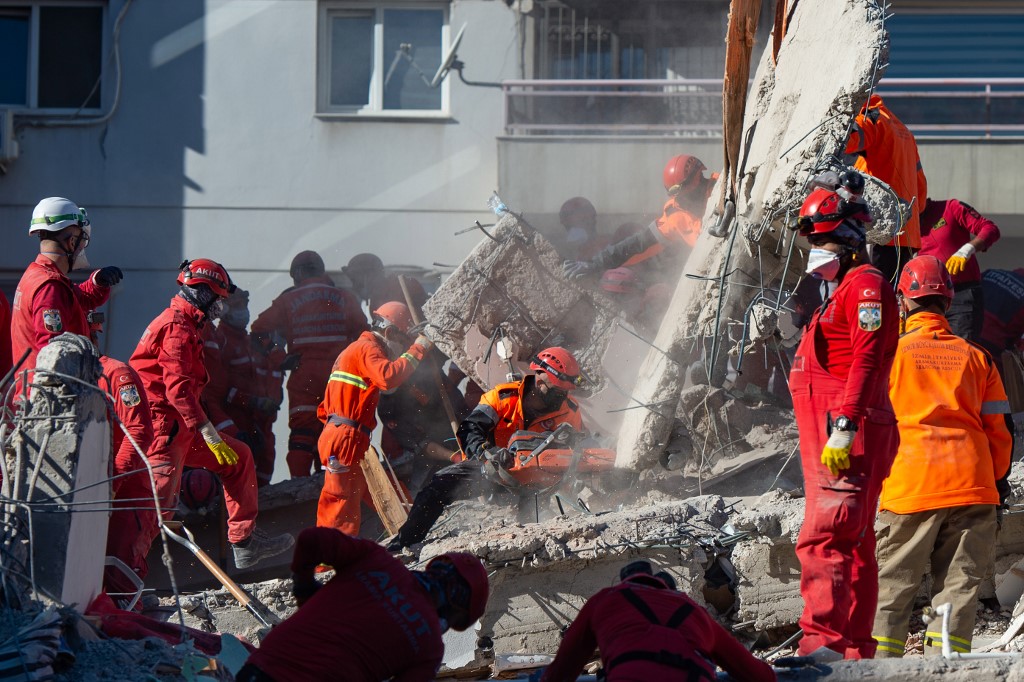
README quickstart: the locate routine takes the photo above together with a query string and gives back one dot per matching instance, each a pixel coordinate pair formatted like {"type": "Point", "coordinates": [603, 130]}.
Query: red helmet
{"type": "Point", "coordinates": [394, 314]}
{"type": "Point", "coordinates": [200, 489]}
{"type": "Point", "coordinates": [925, 276]}
{"type": "Point", "coordinates": [560, 365]}
{"type": "Point", "coordinates": [208, 272]}
{"type": "Point", "coordinates": [471, 570]}
{"type": "Point", "coordinates": [825, 211]}
{"type": "Point", "coordinates": [682, 173]}
{"type": "Point", "coordinates": [577, 211]}
{"type": "Point", "coordinates": [621, 281]}
{"type": "Point", "coordinates": [307, 264]}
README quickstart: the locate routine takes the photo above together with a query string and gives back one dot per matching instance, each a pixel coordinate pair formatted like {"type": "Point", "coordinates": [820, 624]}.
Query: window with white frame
{"type": "Point", "coordinates": [379, 58]}
{"type": "Point", "coordinates": [51, 55]}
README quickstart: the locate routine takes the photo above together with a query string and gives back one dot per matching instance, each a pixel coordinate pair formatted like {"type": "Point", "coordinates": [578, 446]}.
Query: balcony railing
{"type": "Point", "coordinates": [931, 107]}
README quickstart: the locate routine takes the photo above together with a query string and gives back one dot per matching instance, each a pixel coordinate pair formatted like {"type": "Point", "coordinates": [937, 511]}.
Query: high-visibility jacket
{"type": "Point", "coordinates": [650, 633]}
{"type": "Point", "coordinates": [169, 360]}
{"type": "Point", "coordinates": [47, 304]}
{"type": "Point", "coordinates": [949, 224]}
{"type": "Point", "coordinates": [360, 373]}
{"type": "Point", "coordinates": [887, 150]}
{"type": "Point", "coordinates": [132, 408]}
{"type": "Point", "coordinates": [677, 225]}
{"type": "Point", "coordinates": [500, 414]}
{"type": "Point", "coordinates": [950, 405]}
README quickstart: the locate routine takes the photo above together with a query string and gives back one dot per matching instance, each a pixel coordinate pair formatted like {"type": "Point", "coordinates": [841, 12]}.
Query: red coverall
{"type": "Point", "coordinates": [317, 320]}
{"type": "Point", "coordinates": [270, 382]}
{"type": "Point", "coordinates": [348, 412]}
{"type": "Point", "coordinates": [648, 633]}
{"type": "Point", "coordinates": [842, 368]}
{"type": "Point", "coordinates": [47, 304]}
{"type": "Point", "coordinates": [169, 360]}
{"type": "Point", "coordinates": [133, 523]}
{"type": "Point", "coordinates": [5, 336]}
{"type": "Point", "coordinates": [372, 621]}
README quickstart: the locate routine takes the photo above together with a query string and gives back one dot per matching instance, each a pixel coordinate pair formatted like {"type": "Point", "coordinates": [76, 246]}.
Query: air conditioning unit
{"type": "Point", "coordinates": [8, 145]}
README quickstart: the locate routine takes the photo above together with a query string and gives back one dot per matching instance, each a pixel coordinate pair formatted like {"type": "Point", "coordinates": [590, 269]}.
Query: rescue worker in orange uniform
{"type": "Point", "coordinates": [884, 148]}
{"type": "Point", "coordinates": [132, 521]}
{"type": "Point", "coordinates": [848, 438]}
{"type": "Point", "coordinates": [938, 505]}
{"type": "Point", "coordinates": [379, 360]}
{"type": "Point", "coordinates": [373, 285]}
{"type": "Point", "coordinates": [47, 303]}
{"type": "Point", "coordinates": [579, 218]}
{"type": "Point", "coordinates": [680, 221]}
{"type": "Point", "coordinates": [538, 402]}
{"type": "Point", "coordinates": [314, 320]}
{"type": "Point", "coordinates": [647, 630]}
{"type": "Point", "coordinates": [169, 360]}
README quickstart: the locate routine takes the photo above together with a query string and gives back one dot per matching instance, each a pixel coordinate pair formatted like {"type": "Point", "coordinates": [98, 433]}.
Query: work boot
{"type": "Point", "coordinates": [260, 546]}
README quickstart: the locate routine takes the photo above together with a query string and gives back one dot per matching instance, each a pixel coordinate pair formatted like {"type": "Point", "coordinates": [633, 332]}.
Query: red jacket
{"type": "Point", "coordinates": [948, 225]}
{"type": "Point", "coordinates": [169, 360]}
{"type": "Point", "coordinates": [132, 409]}
{"type": "Point", "coordinates": [212, 400]}
{"type": "Point", "coordinates": [647, 633]}
{"type": "Point", "coordinates": [858, 331]}
{"type": "Point", "coordinates": [47, 304]}
{"type": "Point", "coordinates": [371, 622]}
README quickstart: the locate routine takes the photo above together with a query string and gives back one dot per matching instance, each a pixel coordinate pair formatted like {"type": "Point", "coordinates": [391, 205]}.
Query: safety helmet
{"type": "Point", "coordinates": [307, 264]}
{"type": "Point", "coordinates": [682, 173]}
{"type": "Point", "coordinates": [393, 314]}
{"type": "Point", "coordinates": [925, 276]}
{"type": "Point", "coordinates": [560, 365]}
{"type": "Point", "coordinates": [53, 214]}
{"type": "Point", "coordinates": [577, 211]}
{"type": "Point", "coordinates": [621, 281]}
{"type": "Point", "coordinates": [641, 572]}
{"type": "Point", "coordinates": [208, 272]}
{"type": "Point", "coordinates": [200, 490]}
{"type": "Point", "coordinates": [363, 264]}
{"type": "Point", "coordinates": [824, 211]}
{"type": "Point", "coordinates": [473, 572]}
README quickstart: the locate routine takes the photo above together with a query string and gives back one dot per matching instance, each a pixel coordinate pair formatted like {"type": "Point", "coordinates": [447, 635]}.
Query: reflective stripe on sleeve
{"type": "Point", "coordinates": [347, 378]}
{"type": "Point", "coordinates": [995, 407]}
{"type": "Point", "coordinates": [487, 411]}
{"type": "Point", "coordinates": [412, 360]}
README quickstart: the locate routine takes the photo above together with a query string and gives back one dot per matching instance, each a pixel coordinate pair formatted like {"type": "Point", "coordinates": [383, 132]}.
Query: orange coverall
{"type": "Point", "coordinates": [347, 411]}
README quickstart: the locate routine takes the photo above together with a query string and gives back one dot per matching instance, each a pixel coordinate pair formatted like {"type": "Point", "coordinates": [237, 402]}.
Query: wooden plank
{"type": "Point", "coordinates": [385, 498]}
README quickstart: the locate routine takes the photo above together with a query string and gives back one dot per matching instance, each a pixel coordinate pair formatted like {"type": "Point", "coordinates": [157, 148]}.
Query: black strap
{"type": "Point", "coordinates": [641, 606]}
{"type": "Point", "coordinates": [338, 420]}
{"type": "Point", "coordinates": [695, 672]}
{"type": "Point", "coordinates": [681, 614]}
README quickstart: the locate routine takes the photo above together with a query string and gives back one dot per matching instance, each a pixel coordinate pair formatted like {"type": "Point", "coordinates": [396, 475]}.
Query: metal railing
{"type": "Point", "coordinates": [962, 107]}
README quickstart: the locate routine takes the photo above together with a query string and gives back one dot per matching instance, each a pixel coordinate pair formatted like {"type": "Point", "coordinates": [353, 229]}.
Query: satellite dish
{"type": "Point", "coordinates": [449, 59]}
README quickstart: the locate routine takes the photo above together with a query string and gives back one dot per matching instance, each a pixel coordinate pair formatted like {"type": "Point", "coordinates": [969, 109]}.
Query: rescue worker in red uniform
{"type": "Point", "coordinates": [954, 232]}
{"type": "Point", "coordinates": [680, 221]}
{"type": "Point", "coordinates": [646, 630]}
{"type": "Point", "coordinates": [314, 320]}
{"type": "Point", "coordinates": [379, 360]}
{"type": "Point", "coordinates": [374, 620]}
{"type": "Point", "coordinates": [848, 436]}
{"type": "Point", "coordinates": [46, 303]}
{"type": "Point", "coordinates": [132, 522]}
{"type": "Point", "coordinates": [373, 285]}
{"type": "Point", "coordinates": [539, 402]}
{"type": "Point", "coordinates": [169, 360]}
{"type": "Point", "coordinates": [883, 147]}
{"type": "Point", "coordinates": [579, 218]}
{"type": "Point", "coordinates": [1003, 322]}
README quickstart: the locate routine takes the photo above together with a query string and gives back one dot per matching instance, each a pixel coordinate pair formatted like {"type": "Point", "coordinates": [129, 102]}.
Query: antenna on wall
{"type": "Point", "coordinates": [452, 63]}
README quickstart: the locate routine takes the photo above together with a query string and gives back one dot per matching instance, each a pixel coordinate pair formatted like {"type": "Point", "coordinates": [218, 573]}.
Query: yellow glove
{"type": "Point", "coordinates": [958, 261]}
{"type": "Point", "coordinates": [225, 454]}
{"type": "Point", "coordinates": [836, 455]}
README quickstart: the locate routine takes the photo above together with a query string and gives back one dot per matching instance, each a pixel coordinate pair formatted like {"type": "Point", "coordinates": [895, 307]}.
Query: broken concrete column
{"type": "Point", "coordinates": [795, 126]}
{"type": "Point", "coordinates": [58, 467]}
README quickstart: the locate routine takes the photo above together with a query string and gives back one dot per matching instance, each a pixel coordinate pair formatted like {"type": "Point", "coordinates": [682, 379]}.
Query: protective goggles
{"type": "Point", "coordinates": [555, 372]}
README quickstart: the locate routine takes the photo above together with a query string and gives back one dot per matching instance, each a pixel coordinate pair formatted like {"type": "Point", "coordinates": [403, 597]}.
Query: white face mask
{"type": "Point", "coordinates": [823, 264]}
{"type": "Point", "coordinates": [577, 235]}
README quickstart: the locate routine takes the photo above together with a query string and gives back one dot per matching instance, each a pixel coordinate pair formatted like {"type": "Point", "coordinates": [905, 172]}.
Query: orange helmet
{"type": "Point", "coordinates": [307, 264]}
{"type": "Point", "coordinates": [560, 365]}
{"type": "Point", "coordinates": [393, 314]}
{"type": "Point", "coordinates": [473, 572]}
{"type": "Point", "coordinates": [200, 489]}
{"type": "Point", "coordinates": [208, 272]}
{"type": "Point", "coordinates": [925, 276]}
{"type": "Point", "coordinates": [577, 211]}
{"type": "Point", "coordinates": [825, 211]}
{"type": "Point", "coordinates": [682, 173]}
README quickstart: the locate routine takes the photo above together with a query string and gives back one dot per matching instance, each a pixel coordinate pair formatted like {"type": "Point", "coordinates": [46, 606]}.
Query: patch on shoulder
{"type": "Point", "coordinates": [52, 321]}
{"type": "Point", "coordinates": [129, 395]}
{"type": "Point", "coordinates": [869, 315]}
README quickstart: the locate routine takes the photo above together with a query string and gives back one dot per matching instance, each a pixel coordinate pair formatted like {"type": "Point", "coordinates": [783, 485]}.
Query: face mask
{"type": "Point", "coordinates": [577, 235]}
{"type": "Point", "coordinates": [239, 319]}
{"type": "Point", "coordinates": [216, 310]}
{"type": "Point", "coordinates": [823, 264]}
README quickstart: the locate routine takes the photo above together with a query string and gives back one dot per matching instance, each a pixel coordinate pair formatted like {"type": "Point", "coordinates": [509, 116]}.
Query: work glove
{"type": "Point", "coordinates": [108, 276]}
{"type": "Point", "coordinates": [424, 343]}
{"type": "Point", "coordinates": [303, 588]}
{"type": "Point", "coordinates": [578, 269]}
{"type": "Point", "coordinates": [958, 261]}
{"type": "Point", "coordinates": [836, 455]}
{"type": "Point", "coordinates": [500, 456]}
{"type": "Point", "coordinates": [265, 405]}
{"type": "Point", "coordinates": [225, 455]}
{"type": "Point", "coordinates": [290, 362]}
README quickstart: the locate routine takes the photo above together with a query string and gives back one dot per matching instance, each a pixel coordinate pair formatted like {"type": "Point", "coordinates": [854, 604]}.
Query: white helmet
{"type": "Point", "coordinates": [53, 214]}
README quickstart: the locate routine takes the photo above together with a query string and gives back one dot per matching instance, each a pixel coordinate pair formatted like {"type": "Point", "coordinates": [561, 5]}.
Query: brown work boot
{"type": "Point", "coordinates": [260, 546]}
